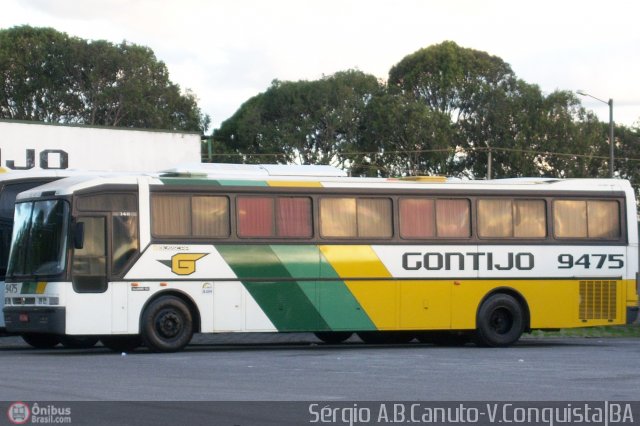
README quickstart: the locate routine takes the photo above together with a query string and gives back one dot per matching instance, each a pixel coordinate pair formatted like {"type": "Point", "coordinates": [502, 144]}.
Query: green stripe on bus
{"type": "Point", "coordinates": [337, 306]}
{"type": "Point", "coordinates": [284, 302]}
{"type": "Point", "coordinates": [29, 287]}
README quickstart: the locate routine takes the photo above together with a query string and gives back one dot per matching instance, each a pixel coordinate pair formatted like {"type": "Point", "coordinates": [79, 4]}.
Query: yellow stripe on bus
{"type": "Point", "coordinates": [563, 311]}
{"type": "Point", "coordinates": [453, 304]}
{"type": "Point", "coordinates": [42, 285]}
{"type": "Point", "coordinates": [379, 299]}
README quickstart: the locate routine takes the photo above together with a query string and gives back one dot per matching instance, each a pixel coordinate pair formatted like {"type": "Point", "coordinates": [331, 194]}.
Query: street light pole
{"type": "Point", "coordinates": [611, 140]}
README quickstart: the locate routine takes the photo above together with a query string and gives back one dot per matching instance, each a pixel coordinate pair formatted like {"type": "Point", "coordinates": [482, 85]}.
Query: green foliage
{"type": "Point", "coordinates": [494, 113]}
{"type": "Point", "coordinates": [444, 110]}
{"type": "Point", "coordinates": [404, 137]}
{"type": "Point", "coordinates": [451, 79]}
{"type": "Point", "coordinates": [304, 122]}
{"type": "Point", "coordinates": [627, 152]}
{"type": "Point", "coordinates": [51, 77]}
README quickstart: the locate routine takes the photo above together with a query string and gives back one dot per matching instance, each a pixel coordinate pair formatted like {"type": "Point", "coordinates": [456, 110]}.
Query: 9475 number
{"type": "Point", "coordinates": [591, 261]}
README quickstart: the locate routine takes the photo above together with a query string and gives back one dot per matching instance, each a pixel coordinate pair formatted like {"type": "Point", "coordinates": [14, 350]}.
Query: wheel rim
{"type": "Point", "coordinates": [501, 321]}
{"type": "Point", "coordinates": [169, 324]}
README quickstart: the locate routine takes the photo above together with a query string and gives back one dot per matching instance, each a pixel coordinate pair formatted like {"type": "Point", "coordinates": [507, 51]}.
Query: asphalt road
{"type": "Point", "coordinates": [296, 367]}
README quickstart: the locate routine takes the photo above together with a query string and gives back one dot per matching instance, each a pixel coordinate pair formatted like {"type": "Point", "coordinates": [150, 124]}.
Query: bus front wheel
{"type": "Point", "coordinates": [500, 321]}
{"type": "Point", "coordinates": [167, 325]}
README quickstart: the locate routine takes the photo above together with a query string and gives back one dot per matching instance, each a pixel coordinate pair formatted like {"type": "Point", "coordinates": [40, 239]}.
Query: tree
{"type": "Point", "coordinates": [627, 152]}
{"type": "Point", "coordinates": [35, 66]}
{"type": "Point", "coordinates": [496, 115]}
{"type": "Point", "coordinates": [404, 137]}
{"type": "Point", "coordinates": [52, 77]}
{"type": "Point", "coordinates": [303, 122]}
{"type": "Point", "coordinates": [451, 79]}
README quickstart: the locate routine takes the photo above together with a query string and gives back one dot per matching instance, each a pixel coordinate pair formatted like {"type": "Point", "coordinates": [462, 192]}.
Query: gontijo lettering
{"type": "Point", "coordinates": [456, 261]}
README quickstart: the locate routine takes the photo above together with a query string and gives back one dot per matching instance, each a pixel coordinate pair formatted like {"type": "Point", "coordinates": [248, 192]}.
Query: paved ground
{"type": "Point", "coordinates": [296, 367]}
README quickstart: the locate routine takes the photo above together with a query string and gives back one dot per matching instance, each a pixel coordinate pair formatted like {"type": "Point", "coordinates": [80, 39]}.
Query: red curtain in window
{"type": "Point", "coordinates": [255, 217]}
{"type": "Point", "coordinates": [294, 217]}
{"type": "Point", "coordinates": [417, 218]}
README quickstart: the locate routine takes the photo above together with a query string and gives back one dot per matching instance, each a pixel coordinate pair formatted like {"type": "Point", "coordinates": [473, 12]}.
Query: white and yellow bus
{"type": "Point", "coordinates": [152, 260]}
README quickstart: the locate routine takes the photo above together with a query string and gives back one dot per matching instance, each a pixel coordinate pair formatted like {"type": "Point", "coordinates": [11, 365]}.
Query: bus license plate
{"type": "Point", "coordinates": [24, 317]}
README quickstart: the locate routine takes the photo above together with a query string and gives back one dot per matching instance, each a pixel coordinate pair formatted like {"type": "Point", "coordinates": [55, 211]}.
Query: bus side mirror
{"type": "Point", "coordinates": [78, 235]}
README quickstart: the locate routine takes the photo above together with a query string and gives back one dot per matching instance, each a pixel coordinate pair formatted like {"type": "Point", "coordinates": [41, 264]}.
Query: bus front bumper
{"type": "Point", "coordinates": [35, 319]}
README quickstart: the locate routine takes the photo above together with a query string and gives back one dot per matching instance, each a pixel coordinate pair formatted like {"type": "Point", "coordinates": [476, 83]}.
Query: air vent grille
{"type": "Point", "coordinates": [598, 300]}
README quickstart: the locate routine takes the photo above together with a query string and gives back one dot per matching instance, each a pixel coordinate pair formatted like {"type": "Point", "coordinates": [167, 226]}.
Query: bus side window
{"type": "Point", "coordinates": [179, 215]}
{"type": "Point", "coordinates": [453, 218]}
{"type": "Point", "coordinates": [508, 218]}
{"type": "Point", "coordinates": [125, 241]}
{"type": "Point", "coordinates": [603, 219]}
{"type": "Point", "coordinates": [89, 262]}
{"type": "Point", "coordinates": [356, 217]}
{"type": "Point", "coordinates": [255, 217]}
{"type": "Point", "coordinates": [417, 218]}
{"type": "Point", "coordinates": [279, 217]}
{"type": "Point", "coordinates": [593, 219]}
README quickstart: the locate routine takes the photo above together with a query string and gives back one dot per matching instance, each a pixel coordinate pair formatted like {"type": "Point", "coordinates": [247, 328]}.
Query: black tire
{"type": "Point", "coordinates": [167, 325]}
{"type": "Point", "coordinates": [333, 337]}
{"type": "Point", "coordinates": [122, 343]}
{"type": "Point", "coordinates": [78, 342]}
{"type": "Point", "coordinates": [386, 337]}
{"type": "Point", "coordinates": [500, 321]}
{"type": "Point", "coordinates": [41, 340]}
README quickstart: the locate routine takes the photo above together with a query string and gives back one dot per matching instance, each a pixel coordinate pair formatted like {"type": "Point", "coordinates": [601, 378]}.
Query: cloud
{"type": "Point", "coordinates": [229, 50]}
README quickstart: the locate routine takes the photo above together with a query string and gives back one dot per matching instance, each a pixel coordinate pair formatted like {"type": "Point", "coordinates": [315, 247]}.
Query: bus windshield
{"type": "Point", "coordinates": [39, 238]}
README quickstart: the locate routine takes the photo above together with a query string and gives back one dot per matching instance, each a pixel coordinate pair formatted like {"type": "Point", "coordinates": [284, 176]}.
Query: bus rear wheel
{"type": "Point", "coordinates": [333, 337]}
{"type": "Point", "coordinates": [500, 321]}
{"type": "Point", "coordinates": [167, 325]}
{"type": "Point", "coordinates": [41, 340]}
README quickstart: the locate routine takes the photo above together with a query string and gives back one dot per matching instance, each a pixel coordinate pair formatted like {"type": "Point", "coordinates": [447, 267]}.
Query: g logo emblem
{"type": "Point", "coordinates": [185, 263]}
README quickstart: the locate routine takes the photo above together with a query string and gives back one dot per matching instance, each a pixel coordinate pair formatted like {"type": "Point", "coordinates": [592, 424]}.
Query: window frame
{"type": "Point", "coordinates": [622, 225]}
{"type": "Point", "coordinates": [392, 221]}
{"type": "Point", "coordinates": [109, 216]}
{"type": "Point", "coordinates": [435, 199]}
{"type": "Point", "coordinates": [316, 195]}
{"type": "Point", "coordinates": [189, 196]}
{"type": "Point", "coordinates": [275, 217]}
{"type": "Point", "coordinates": [513, 201]}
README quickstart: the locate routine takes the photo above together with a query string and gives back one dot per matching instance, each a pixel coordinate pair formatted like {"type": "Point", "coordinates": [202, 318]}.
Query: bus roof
{"type": "Point", "coordinates": [313, 176]}
{"type": "Point", "coordinates": [212, 170]}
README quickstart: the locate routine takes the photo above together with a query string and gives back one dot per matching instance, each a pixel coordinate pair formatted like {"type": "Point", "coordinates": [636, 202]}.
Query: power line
{"type": "Point", "coordinates": [440, 150]}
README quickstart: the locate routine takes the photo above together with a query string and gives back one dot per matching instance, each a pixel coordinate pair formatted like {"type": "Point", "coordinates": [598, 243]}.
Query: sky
{"type": "Point", "coordinates": [227, 51]}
